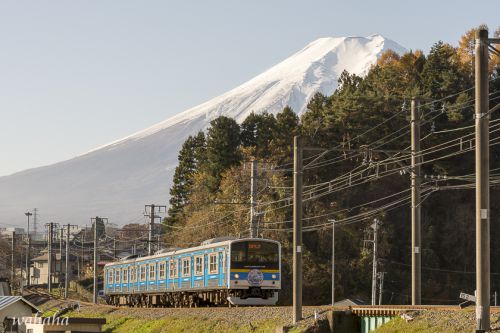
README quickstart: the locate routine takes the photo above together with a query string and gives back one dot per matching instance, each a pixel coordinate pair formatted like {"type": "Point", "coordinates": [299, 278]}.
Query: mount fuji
{"type": "Point", "coordinates": [116, 180]}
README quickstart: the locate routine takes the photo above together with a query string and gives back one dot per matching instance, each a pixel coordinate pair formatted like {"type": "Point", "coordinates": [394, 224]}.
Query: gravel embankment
{"type": "Point", "coordinates": [238, 315]}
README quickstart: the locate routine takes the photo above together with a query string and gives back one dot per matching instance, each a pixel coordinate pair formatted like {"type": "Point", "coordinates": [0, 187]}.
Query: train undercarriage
{"type": "Point", "coordinates": [192, 299]}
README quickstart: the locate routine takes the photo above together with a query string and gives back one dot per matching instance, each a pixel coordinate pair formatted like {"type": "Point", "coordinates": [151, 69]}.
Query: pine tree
{"type": "Point", "coordinates": [222, 152]}
{"type": "Point", "coordinates": [441, 75]}
{"type": "Point", "coordinates": [190, 156]}
{"type": "Point", "coordinates": [287, 126]}
{"type": "Point", "coordinates": [257, 131]}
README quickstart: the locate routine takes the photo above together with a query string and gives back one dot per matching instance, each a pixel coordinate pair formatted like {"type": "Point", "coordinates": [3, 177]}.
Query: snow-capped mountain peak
{"type": "Point", "coordinates": [117, 179]}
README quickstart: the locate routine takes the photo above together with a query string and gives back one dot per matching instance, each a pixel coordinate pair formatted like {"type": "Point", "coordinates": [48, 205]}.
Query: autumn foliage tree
{"type": "Point", "coordinates": [369, 111]}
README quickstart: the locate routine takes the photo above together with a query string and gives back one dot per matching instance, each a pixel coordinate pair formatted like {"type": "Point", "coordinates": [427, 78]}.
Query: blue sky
{"type": "Point", "coordinates": [77, 74]}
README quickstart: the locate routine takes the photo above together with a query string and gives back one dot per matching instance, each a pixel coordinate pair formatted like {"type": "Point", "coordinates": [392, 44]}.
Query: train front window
{"type": "Point", "coordinates": [255, 254]}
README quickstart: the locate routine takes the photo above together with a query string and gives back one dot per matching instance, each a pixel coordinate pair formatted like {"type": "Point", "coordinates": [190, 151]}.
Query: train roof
{"type": "Point", "coordinates": [190, 249]}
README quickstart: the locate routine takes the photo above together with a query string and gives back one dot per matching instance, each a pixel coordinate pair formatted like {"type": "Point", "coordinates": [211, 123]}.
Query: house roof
{"type": "Point", "coordinates": [6, 301]}
{"type": "Point", "coordinates": [350, 302]}
{"type": "Point", "coordinates": [57, 257]}
{"type": "Point", "coordinates": [70, 320]}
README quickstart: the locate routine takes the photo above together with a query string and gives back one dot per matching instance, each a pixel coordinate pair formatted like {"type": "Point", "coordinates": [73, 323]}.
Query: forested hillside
{"type": "Point", "coordinates": [366, 121]}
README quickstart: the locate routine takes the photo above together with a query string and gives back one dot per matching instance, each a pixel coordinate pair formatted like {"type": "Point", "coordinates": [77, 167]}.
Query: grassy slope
{"type": "Point", "coordinates": [437, 321]}
{"type": "Point", "coordinates": [201, 325]}
{"type": "Point", "coordinates": [118, 323]}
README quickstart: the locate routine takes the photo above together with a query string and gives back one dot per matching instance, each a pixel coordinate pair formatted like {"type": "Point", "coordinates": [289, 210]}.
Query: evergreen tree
{"type": "Point", "coordinates": [190, 156]}
{"type": "Point", "coordinates": [441, 75]}
{"type": "Point", "coordinates": [257, 131]}
{"type": "Point", "coordinates": [287, 122]}
{"type": "Point", "coordinates": [281, 146]}
{"type": "Point", "coordinates": [223, 141]}
{"type": "Point", "coordinates": [101, 228]}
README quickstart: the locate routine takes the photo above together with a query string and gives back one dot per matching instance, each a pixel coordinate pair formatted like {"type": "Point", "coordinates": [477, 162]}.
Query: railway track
{"type": "Point", "coordinates": [368, 310]}
{"type": "Point", "coordinates": [40, 296]}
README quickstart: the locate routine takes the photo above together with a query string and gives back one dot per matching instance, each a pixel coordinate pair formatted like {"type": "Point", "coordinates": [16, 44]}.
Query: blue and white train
{"type": "Point", "coordinates": [218, 272]}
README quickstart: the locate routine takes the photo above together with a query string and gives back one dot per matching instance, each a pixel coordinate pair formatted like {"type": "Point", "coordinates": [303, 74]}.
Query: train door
{"type": "Point", "coordinates": [221, 268]}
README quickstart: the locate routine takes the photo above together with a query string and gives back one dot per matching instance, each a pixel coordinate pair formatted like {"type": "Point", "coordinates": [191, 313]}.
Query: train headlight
{"type": "Point", "coordinates": [273, 276]}
{"type": "Point", "coordinates": [236, 276]}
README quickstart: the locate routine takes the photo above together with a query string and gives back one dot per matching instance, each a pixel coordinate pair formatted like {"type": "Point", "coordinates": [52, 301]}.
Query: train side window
{"type": "Point", "coordinates": [110, 276]}
{"type": "Point", "coordinates": [125, 275]}
{"type": "Point", "coordinates": [133, 273]}
{"type": "Point", "coordinates": [161, 270]}
{"type": "Point", "coordinates": [117, 275]}
{"type": "Point", "coordinates": [143, 273]}
{"type": "Point", "coordinates": [213, 263]}
{"type": "Point", "coordinates": [152, 271]}
{"type": "Point", "coordinates": [172, 272]}
{"type": "Point", "coordinates": [198, 265]}
{"type": "Point", "coordinates": [186, 266]}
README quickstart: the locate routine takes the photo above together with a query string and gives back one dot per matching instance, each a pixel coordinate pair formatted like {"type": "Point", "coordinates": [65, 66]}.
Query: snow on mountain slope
{"type": "Point", "coordinates": [117, 179]}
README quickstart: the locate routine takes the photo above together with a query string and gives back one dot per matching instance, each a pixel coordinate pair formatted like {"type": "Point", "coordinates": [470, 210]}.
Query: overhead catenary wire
{"type": "Point", "coordinates": [493, 142]}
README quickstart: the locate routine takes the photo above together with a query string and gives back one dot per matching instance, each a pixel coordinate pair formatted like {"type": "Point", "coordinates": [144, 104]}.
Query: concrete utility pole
{"type": "Point", "coordinates": [152, 216]}
{"type": "Point", "coordinates": [50, 236]}
{"type": "Point", "coordinates": [253, 192]}
{"type": "Point", "coordinates": [415, 204]}
{"type": "Point", "coordinates": [12, 270]}
{"type": "Point", "coordinates": [333, 260]}
{"type": "Point", "coordinates": [61, 230]}
{"type": "Point", "coordinates": [482, 184]}
{"type": "Point", "coordinates": [151, 225]}
{"type": "Point", "coordinates": [94, 293]}
{"type": "Point", "coordinates": [375, 261]}
{"type": "Point", "coordinates": [35, 225]}
{"type": "Point", "coordinates": [381, 287]}
{"type": "Point", "coordinates": [297, 228]}
{"type": "Point", "coordinates": [28, 250]}
{"type": "Point", "coordinates": [83, 248]}
{"type": "Point", "coordinates": [66, 270]}
{"type": "Point", "coordinates": [60, 235]}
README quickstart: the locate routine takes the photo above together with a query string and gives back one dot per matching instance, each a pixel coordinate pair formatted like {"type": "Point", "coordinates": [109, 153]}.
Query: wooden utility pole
{"type": "Point", "coordinates": [152, 216]}
{"type": "Point", "coordinates": [253, 192]}
{"type": "Point", "coordinates": [415, 204]}
{"type": "Point", "coordinates": [482, 184]}
{"type": "Point", "coordinates": [297, 228]}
